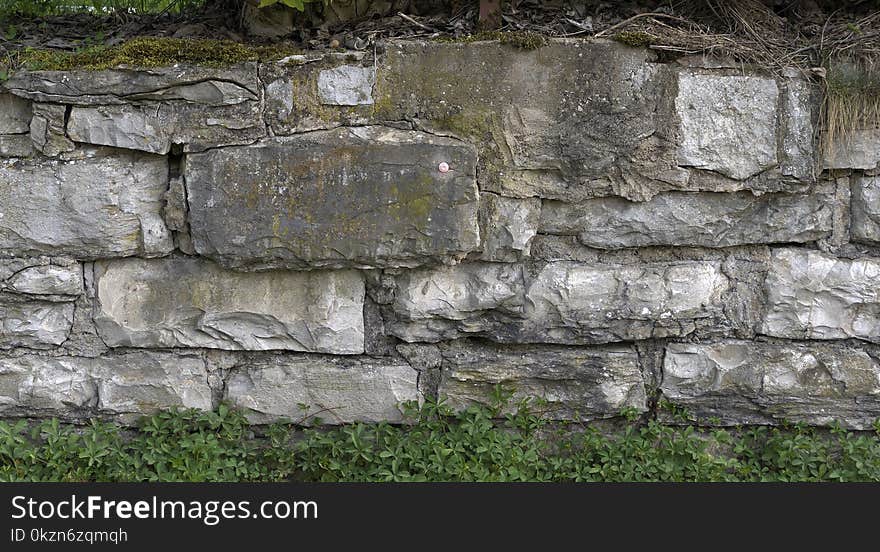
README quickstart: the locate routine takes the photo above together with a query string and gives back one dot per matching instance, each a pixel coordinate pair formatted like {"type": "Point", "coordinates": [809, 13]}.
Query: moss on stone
{"type": "Point", "coordinates": [638, 39]}
{"type": "Point", "coordinates": [517, 39]}
{"type": "Point", "coordinates": [153, 52]}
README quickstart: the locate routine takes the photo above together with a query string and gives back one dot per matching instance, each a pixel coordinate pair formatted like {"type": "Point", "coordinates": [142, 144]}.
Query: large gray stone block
{"type": "Point", "coordinates": [447, 302]}
{"type": "Point", "coordinates": [366, 196]}
{"type": "Point", "coordinates": [812, 295]}
{"type": "Point", "coordinates": [48, 279]}
{"type": "Point", "coordinates": [569, 302]}
{"type": "Point", "coordinates": [347, 85]}
{"type": "Point", "coordinates": [728, 123]}
{"type": "Point", "coordinates": [338, 390]}
{"type": "Point", "coordinates": [508, 226]}
{"type": "Point", "coordinates": [743, 382]}
{"type": "Point", "coordinates": [33, 324]}
{"type": "Point", "coordinates": [124, 386]}
{"type": "Point", "coordinates": [103, 203]}
{"type": "Point", "coordinates": [15, 114]}
{"type": "Point", "coordinates": [563, 302]}
{"type": "Point", "coordinates": [698, 219]}
{"type": "Point", "coordinates": [204, 85]}
{"type": "Point", "coordinates": [156, 126]}
{"type": "Point", "coordinates": [576, 383]}
{"type": "Point", "coordinates": [865, 222]}
{"type": "Point", "coordinates": [189, 302]}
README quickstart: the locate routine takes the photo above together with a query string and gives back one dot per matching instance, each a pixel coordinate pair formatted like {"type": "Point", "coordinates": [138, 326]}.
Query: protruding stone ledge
{"type": "Point", "coordinates": [188, 302]}
{"type": "Point", "coordinates": [692, 219]}
{"type": "Point", "coordinates": [101, 203]}
{"type": "Point", "coordinates": [361, 197]}
{"type": "Point", "coordinates": [337, 390]}
{"type": "Point", "coordinates": [812, 295]}
{"type": "Point", "coordinates": [577, 383]}
{"type": "Point", "coordinates": [564, 302]}
{"type": "Point", "coordinates": [743, 382]}
{"type": "Point", "coordinates": [123, 386]}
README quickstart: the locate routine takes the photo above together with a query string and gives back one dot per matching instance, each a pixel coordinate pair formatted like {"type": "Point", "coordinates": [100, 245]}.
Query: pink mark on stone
{"type": "Point", "coordinates": [443, 167]}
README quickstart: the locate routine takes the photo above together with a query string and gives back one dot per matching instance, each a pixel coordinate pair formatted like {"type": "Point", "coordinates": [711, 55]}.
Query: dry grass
{"type": "Point", "coordinates": [841, 51]}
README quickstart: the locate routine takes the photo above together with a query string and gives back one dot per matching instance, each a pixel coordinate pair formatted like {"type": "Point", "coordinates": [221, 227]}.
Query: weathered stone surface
{"type": "Point", "coordinates": [742, 382]}
{"type": "Point", "coordinates": [728, 123]}
{"type": "Point", "coordinates": [347, 85]}
{"type": "Point", "coordinates": [16, 145]}
{"type": "Point", "coordinates": [101, 204]}
{"type": "Point", "coordinates": [811, 295]}
{"type": "Point", "coordinates": [565, 302]}
{"type": "Point", "coordinates": [15, 114]}
{"type": "Point", "coordinates": [451, 301]}
{"type": "Point", "coordinates": [577, 383]}
{"type": "Point", "coordinates": [865, 223]}
{"type": "Point", "coordinates": [48, 133]}
{"type": "Point", "coordinates": [125, 385]}
{"type": "Point", "coordinates": [33, 324]}
{"type": "Point", "coordinates": [48, 280]}
{"type": "Point", "coordinates": [576, 120]}
{"type": "Point", "coordinates": [155, 127]}
{"type": "Point", "coordinates": [338, 390]}
{"type": "Point", "coordinates": [188, 302]}
{"type": "Point", "coordinates": [570, 302]}
{"type": "Point", "coordinates": [204, 85]}
{"type": "Point", "coordinates": [298, 90]}
{"type": "Point", "coordinates": [367, 196]}
{"type": "Point", "coordinates": [859, 149]}
{"type": "Point", "coordinates": [700, 219]}
{"type": "Point", "coordinates": [507, 226]}
{"type": "Point", "coordinates": [800, 101]}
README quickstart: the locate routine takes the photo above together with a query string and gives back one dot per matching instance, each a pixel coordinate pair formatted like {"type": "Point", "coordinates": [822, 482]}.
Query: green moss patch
{"type": "Point", "coordinates": [153, 52]}
{"type": "Point", "coordinates": [517, 39]}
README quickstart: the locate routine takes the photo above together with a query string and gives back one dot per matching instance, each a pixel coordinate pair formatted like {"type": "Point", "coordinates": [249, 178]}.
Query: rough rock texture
{"type": "Point", "coordinates": [859, 150]}
{"type": "Point", "coordinates": [573, 303]}
{"type": "Point", "coordinates": [728, 123]}
{"type": "Point", "coordinates": [207, 85]}
{"type": "Point", "coordinates": [33, 324]}
{"type": "Point", "coordinates": [48, 133]}
{"type": "Point", "coordinates": [16, 145]}
{"type": "Point", "coordinates": [447, 302]}
{"type": "Point", "coordinates": [605, 126]}
{"type": "Point", "coordinates": [602, 205]}
{"type": "Point", "coordinates": [187, 302]}
{"type": "Point", "coordinates": [369, 196]}
{"type": "Point", "coordinates": [577, 383]}
{"type": "Point", "coordinates": [126, 385]}
{"type": "Point", "coordinates": [333, 389]}
{"type": "Point", "coordinates": [565, 302]}
{"type": "Point", "coordinates": [811, 295]}
{"type": "Point", "coordinates": [347, 85]}
{"type": "Point", "coordinates": [865, 224]}
{"type": "Point", "coordinates": [15, 114]}
{"type": "Point", "coordinates": [507, 226]}
{"type": "Point", "coordinates": [48, 280]}
{"type": "Point", "coordinates": [703, 219]}
{"type": "Point", "coordinates": [740, 382]}
{"type": "Point", "coordinates": [100, 204]}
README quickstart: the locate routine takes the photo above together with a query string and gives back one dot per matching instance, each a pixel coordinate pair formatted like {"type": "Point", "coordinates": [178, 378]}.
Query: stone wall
{"type": "Point", "coordinates": [341, 232]}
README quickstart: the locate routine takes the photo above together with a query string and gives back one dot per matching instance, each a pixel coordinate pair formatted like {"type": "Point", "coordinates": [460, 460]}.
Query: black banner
{"type": "Point", "coordinates": [224, 516]}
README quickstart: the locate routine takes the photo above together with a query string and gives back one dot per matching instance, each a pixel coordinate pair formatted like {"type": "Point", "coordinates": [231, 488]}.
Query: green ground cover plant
{"type": "Point", "coordinates": [478, 444]}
